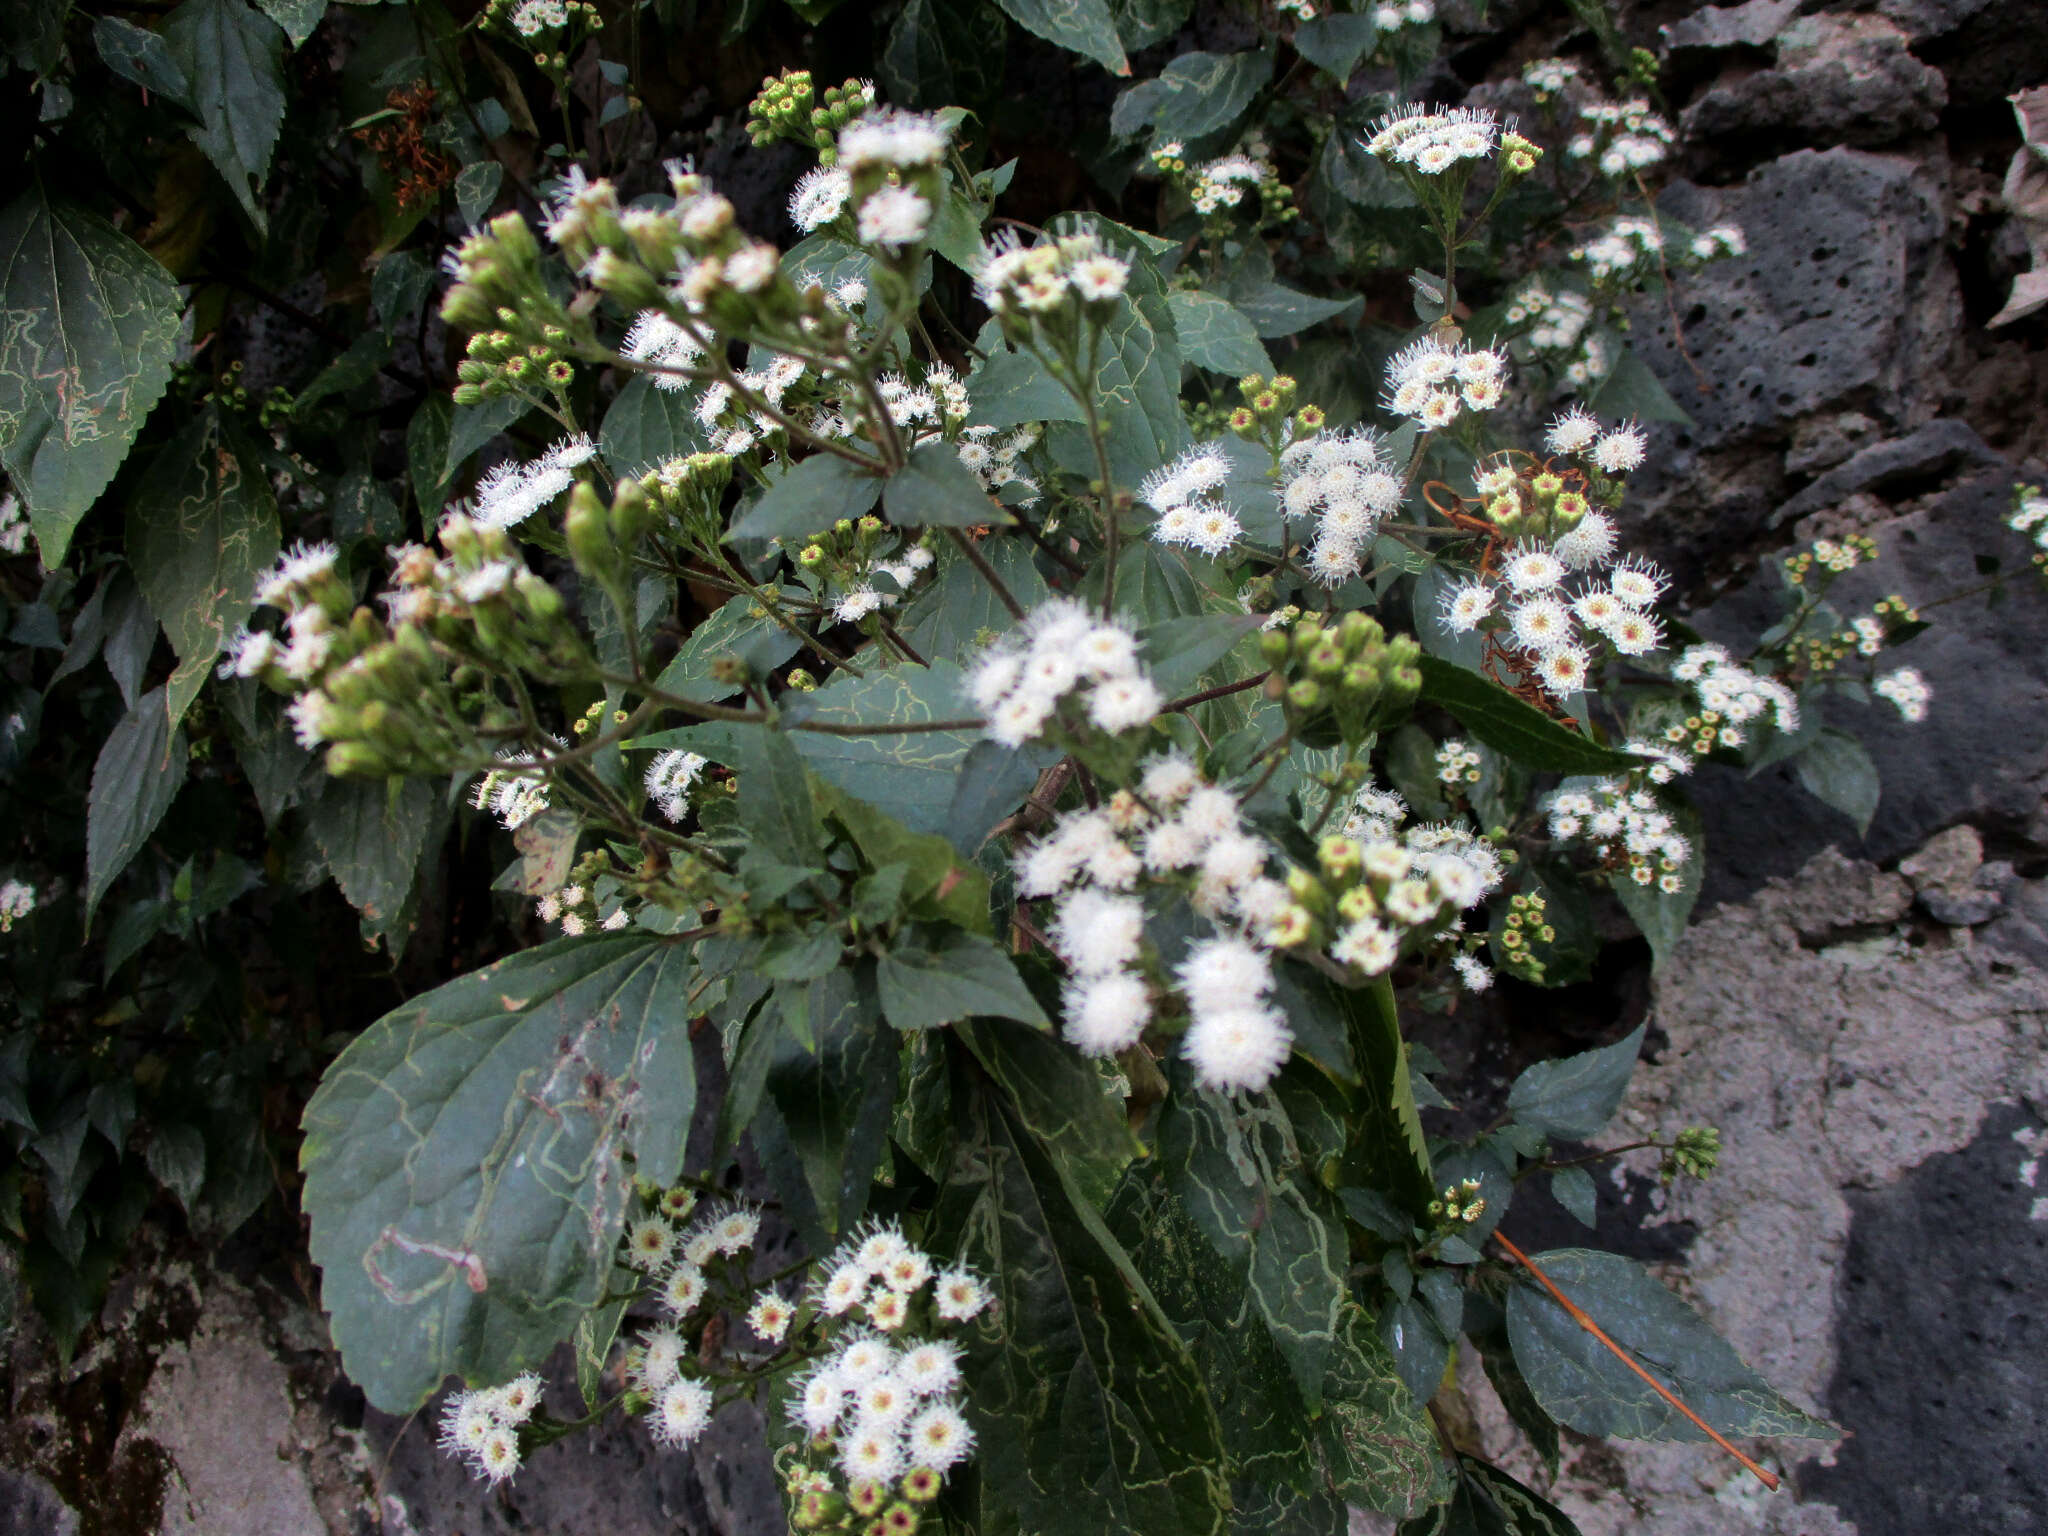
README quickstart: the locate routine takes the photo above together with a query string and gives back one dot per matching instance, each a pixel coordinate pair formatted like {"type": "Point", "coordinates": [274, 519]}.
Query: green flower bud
{"type": "Point", "coordinates": [1327, 659]}
{"type": "Point", "coordinates": [631, 513]}
{"type": "Point", "coordinates": [1274, 646]}
{"type": "Point", "coordinates": [1305, 695]}
{"type": "Point", "coordinates": [1338, 855]}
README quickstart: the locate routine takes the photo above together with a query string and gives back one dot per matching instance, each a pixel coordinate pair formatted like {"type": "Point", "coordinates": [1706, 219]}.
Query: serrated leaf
{"type": "Point", "coordinates": [234, 56]}
{"type": "Point", "coordinates": [1837, 770]}
{"type": "Point", "coordinates": [1521, 732]}
{"type": "Point", "coordinates": [814, 495]}
{"type": "Point", "coordinates": [141, 56]}
{"type": "Point", "coordinates": [1574, 1098]}
{"type": "Point", "coordinates": [1388, 1153]}
{"type": "Point", "coordinates": [471, 427]}
{"type": "Point", "coordinates": [1079, 26]}
{"type": "Point", "coordinates": [938, 977]}
{"type": "Point", "coordinates": [140, 769]}
{"type": "Point", "coordinates": [1583, 1386]}
{"type": "Point", "coordinates": [1178, 651]}
{"type": "Point", "coordinates": [84, 357]}
{"type": "Point", "coordinates": [1012, 388]}
{"type": "Point", "coordinates": [201, 529]}
{"type": "Point", "coordinates": [372, 832]}
{"type": "Point", "coordinates": [935, 490]}
{"type": "Point", "coordinates": [1061, 1097]}
{"type": "Point", "coordinates": [648, 425]}
{"type": "Point", "coordinates": [1214, 335]}
{"type": "Point", "coordinates": [910, 775]}
{"type": "Point", "coordinates": [297, 17]}
{"type": "Point", "coordinates": [462, 1158]}
{"type": "Point", "coordinates": [956, 610]}
{"type": "Point", "coordinates": [1336, 42]}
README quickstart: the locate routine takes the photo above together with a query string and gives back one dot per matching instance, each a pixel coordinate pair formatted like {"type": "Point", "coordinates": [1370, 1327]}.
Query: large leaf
{"type": "Point", "coordinates": [1387, 1153]}
{"type": "Point", "coordinates": [140, 55]}
{"type": "Point", "coordinates": [1012, 388]}
{"type": "Point", "coordinates": [1837, 770]}
{"type": "Point", "coordinates": [1336, 42]}
{"type": "Point", "coordinates": [932, 979]}
{"type": "Point", "coordinates": [957, 611]}
{"type": "Point", "coordinates": [141, 768]}
{"type": "Point", "coordinates": [201, 529]}
{"type": "Point", "coordinates": [832, 1078]}
{"type": "Point", "coordinates": [1583, 1386]}
{"type": "Point", "coordinates": [648, 425]}
{"type": "Point", "coordinates": [462, 1158]}
{"type": "Point", "coordinates": [1091, 1415]}
{"type": "Point", "coordinates": [297, 17]}
{"type": "Point", "coordinates": [92, 324]}
{"type": "Point", "coordinates": [1215, 335]}
{"type": "Point", "coordinates": [233, 55]}
{"type": "Point", "coordinates": [1573, 1098]}
{"type": "Point", "coordinates": [937, 883]}
{"type": "Point", "coordinates": [809, 499]}
{"type": "Point", "coordinates": [1137, 374]}
{"type": "Point", "coordinates": [1063, 1099]}
{"type": "Point", "coordinates": [1079, 26]}
{"type": "Point", "coordinates": [935, 490]}
{"type": "Point", "coordinates": [910, 775]}
{"type": "Point", "coordinates": [1234, 1166]}
{"type": "Point", "coordinates": [1204, 93]}
{"type": "Point", "coordinates": [1487, 1502]}
{"type": "Point", "coordinates": [1519, 731]}
{"type": "Point", "coordinates": [373, 832]}
{"type": "Point", "coordinates": [740, 628]}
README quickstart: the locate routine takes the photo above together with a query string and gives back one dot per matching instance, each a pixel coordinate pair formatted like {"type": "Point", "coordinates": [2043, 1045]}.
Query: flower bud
{"type": "Point", "coordinates": [589, 533]}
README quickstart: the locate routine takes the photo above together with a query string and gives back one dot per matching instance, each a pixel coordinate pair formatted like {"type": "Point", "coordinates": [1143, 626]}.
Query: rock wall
{"type": "Point", "coordinates": [1866, 1019]}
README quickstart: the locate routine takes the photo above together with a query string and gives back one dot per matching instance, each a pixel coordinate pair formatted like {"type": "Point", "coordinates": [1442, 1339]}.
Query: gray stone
{"type": "Point", "coordinates": [1839, 80]}
{"type": "Point", "coordinates": [1986, 48]}
{"type": "Point", "coordinates": [1822, 442]}
{"type": "Point", "coordinates": [30, 1507]}
{"type": "Point", "coordinates": [1923, 455]}
{"type": "Point", "coordinates": [1714, 28]}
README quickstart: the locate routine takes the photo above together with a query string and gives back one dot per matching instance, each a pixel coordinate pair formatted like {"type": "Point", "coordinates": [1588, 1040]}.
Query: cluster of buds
{"type": "Point", "coordinates": [1460, 1205]}
{"type": "Point", "coordinates": [1695, 1153]}
{"type": "Point", "coordinates": [1523, 926]}
{"type": "Point", "coordinates": [1267, 415]}
{"type": "Point", "coordinates": [1051, 288]}
{"type": "Point", "coordinates": [1372, 898]}
{"type": "Point", "coordinates": [685, 493]}
{"type": "Point", "coordinates": [17, 900]}
{"type": "Point", "coordinates": [788, 107]}
{"type": "Point", "coordinates": [1350, 674]}
{"type": "Point", "coordinates": [497, 364]}
{"type": "Point", "coordinates": [1217, 188]}
{"type": "Point", "coordinates": [861, 567]}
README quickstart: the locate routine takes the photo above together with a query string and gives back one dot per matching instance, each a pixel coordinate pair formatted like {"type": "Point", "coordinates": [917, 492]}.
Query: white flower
{"type": "Point", "coordinates": [890, 138]}
{"type": "Point", "coordinates": [1476, 977]}
{"type": "Point", "coordinates": [1637, 582]}
{"type": "Point", "coordinates": [1235, 1047]}
{"type": "Point", "coordinates": [682, 1412]}
{"type": "Point", "coordinates": [1124, 703]}
{"type": "Point", "coordinates": [769, 1317]}
{"type": "Point", "coordinates": [940, 1438]}
{"type": "Point", "coordinates": [658, 341]}
{"type": "Point", "coordinates": [682, 1290]}
{"type": "Point", "coordinates": [1097, 933]}
{"type": "Point", "coordinates": [1573, 432]}
{"type": "Point", "coordinates": [1907, 689]}
{"type": "Point", "coordinates": [669, 780]}
{"type": "Point", "coordinates": [1467, 604]}
{"type": "Point", "coordinates": [1099, 277]}
{"type": "Point", "coordinates": [1168, 777]}
{"type": "Point", "coordinates": [931, 1368]}
{"type": "Point", "coordinates": [1531, 569]}
{"type": "Point", "coordinates": [819, 1401]}
{"type": "Point", "coordinates": [960, 1296]}
{"type": "Point", "coordinates": [893, 217]}
{"type": "Point", "coordinates": [819, 197]}
{"type": "Point", "coordinates": [1588, 546]}
{"type": "Point", "coordinates": [658, 1359]}
{"type": "Point", "coordinates": [872, 1453]}
{"type": "Point", "coordinates": [1563, 670]}
{"type": "Point", "coordinates": [1106, 1013]}
{"type": "Point", "coordinates": [1541, 624]}
{"type": "Point", "coordinates": [1621, 450]}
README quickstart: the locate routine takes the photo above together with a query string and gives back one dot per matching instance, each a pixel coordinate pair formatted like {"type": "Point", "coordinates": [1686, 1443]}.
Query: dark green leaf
{"type": "Point", "coordinates": [398, 287]}
{"type": "Point", "coordinates": [373, 832]}
{"type": "Point", "coordinates": [1178, 651]}
{"type": "Point", "coordinates": [927, 981]}
{"type": "Point", "coordinates": [471, 427]}
{"type": "Point", "coordinates": [462, 1158]}
{"type": "Point", "coordinates": [234, 56]}
{"type": "Point", "coordinates": [201, 529]}
{"type": "Point", "coordinates": [775, 800]}
{"type": "Point", "coordinates": [297, 17]}
{"type": "Point", "coordinates": [1140, 23]}
{"type": "Point", "coordinates": [1520, 732]}
{"type": "Point", "coordinates": [1837, 770]}
{"type": "Point", "coordinates": [1573, 1189]}
{"type": "Point", "coordinates": [1582, 1385]}
{"type": "Point", "coordinates": [1388, 1153]}
{"type": "Point", "coordinates": [1276, 310]}
{"type": "Point", "coordinates": [935, 490]}
{"type": "Point", "coordinates": [1206, 92]}
{"type": "Point", "coordinates": [992, 782]}
{"type": "Point", "coordinates": [936, 883]}
{"type": "Point", "coordinates": [1336, 42]}
{"type": "Point", "coordinates": [426, 455]}
{"type": "Point", "coordinates": [741, 628]}
{"type": "Point", "coordinates": [176, 1158]}
{"type": "Point", "coordinates": [1137, 380]}
{"type": "Point", "coordinates": [1574, 1098]}
{"type": "Point", "coordinates": [140, 770]}
{"type": "Point", "coordinates": [835, 1087]}
{"type": "Point", "coordinates": [957, 611]}
{"type": "Point", "coordinates": [648, 425]}
{"type": "Point", "coordinates": [361, 512]}
{"type": "Point", "coordinates": [1012, 388]}
{"type": "Point", "coordinates": [1079, 26]}
{"type": "Point", "coordinates": [814, 495]}
{"type": "Point", "coordinates": [140, 55]}
{"type": "Point", "coordinates": [82, 361]}
{"type": "Point", "coordinates": [910, 775]}
{"type": "Point", "coordinates": [1214, 335]}
{"type": "Point", "coordinates": [1064, 1100]}
{"type": "Point", "coordinates": [1630, 389]}
{"type": "Point", "coordinates": [476, 188]}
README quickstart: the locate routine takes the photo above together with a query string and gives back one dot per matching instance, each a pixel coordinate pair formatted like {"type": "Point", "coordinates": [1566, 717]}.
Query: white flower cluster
{"type": "Point", "coordinates": [888, 1399]}
{"type": "Point", "coordinates": [1625, 826]}
{"type": "Point", "coordinates": [511, 492]}
{"type": "Point", "coordinates": [1721, 240]}
{"type": "Point", "coordinates": [578, 911]}
{"type": "Point", "coordinates": [675, 1259]}
{"type": "Point", "coordinates": [481, 1426]}
{"type": "Point", "coordinates": [866, 598]}
{"type": "Point", "coordinates": [1431, 142]}
{"type": "Point", "coordinates": [1347, 484]}
{"type": "Point", "coordinates": [14, 525]}
{"type": "Point", "coordinates": [514, 796]}
{"type": "Point", "coordinates": [1408, 878]}
{"type": "Point", "coordinates": [1036, 279]}
{"type": "Point", "coordinates": [1391, 18]}
{"type": "Point", "coordinates": [1221, 184]}
{"type": "Point", "coordinates": [892, 140]}
{"type": "Point", "coordinates": [1907, 689]}
{"type": "Point", "coordinates": [1549, 77]}
{"type": "Point", "coordinates": [1610, 450]}
{"type": "Point", "coordinates": [533, 17]}
{"type": "Point", "coordinates": [1432, 383]}
{"type": "Point", "coordinates": [1733, 694]}
{"type": "Point", "coordinates": [1626, 138]}
{"type": "Point", "coordinates": [664, 346]}
{"type": "Point", "coordinates": [670, 778]}
{"type": "Point", "coordinates": [1616, 253]}
{"type": "Point", "coordinates": [1183, 493]}
{"type": "Point", "coordinates": [17, 900]}
{"type": "Point", "coordinates": [819, 198]}
{"type": "Point", "coordinates": [733, 426]}
{"type": "Point", "coordinates": [2029, 516]}
{"type": "Point", "coordinates": [1457, 763]}
{"type": "Point", "coordinates": [1062, 649]}
{"type": "Point", "coordinates": [994, 459]}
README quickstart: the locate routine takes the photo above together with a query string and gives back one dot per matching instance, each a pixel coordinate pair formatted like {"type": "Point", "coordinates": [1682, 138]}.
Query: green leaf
{"type": "Point", "coordinates": [1388, 1154]}
{"type": "Point", "coordinates": [361, 512]}
{"type": "Point", "coordinates": [1276, 310]}
{"type": "Point", "coordinates": [1140, 23]}
{"type": "Point", "coordinates": [739, 628]}
{"type": "Point", "coordinates": [910, 776]}
{"type": "Point", "coordinates": [234, 56]}
{"type": "Point", "coordinates": [1521, 732]}
{"type": "Point", "coordinates": [1837, 770]}
{"type": "Point", "coordinates": [349, 371]}
{"type": "Point", "coordinates": [834, 1084]}
{"type": "Point", "coordinates": [775, 799]}
{"type": "Point", "coordinates": [1661, 916]}
{"type": "Point", "coordinates": [1090, 1414]}
{"type": "Point", "coordinates": [935, 490]}
{"type": "Point", "coordinates": [1207, 92]}
{"type": "Point", "coordinates": [1012, 388]}
{"type": "Point", "coordinates": [398, 287]}
{"type": "Point", "coordinates": [1064, 1100]}
{"type": "Point", "coordinates": [1178, 651]}
{"type": "Point", "coordinates": [85, 355]}
{"type": "Point", "coordinates": [1574, 1098]}
{"type": "Point", "coordinates": [812, 496]}
{"type": "Point", "coordinates": [140, 769]}
{"type": "Point", "coordinates": [1573, 1189]}
{"type": "Point", "coordinates": [201, 529]}
{"type": "Point", "coordinates": [937, 884]}
{"type": "Point", "coordinates": [1137, 380]}
{"type": "Point", "coordinates": [476, 188]}
{"type": "Point", "coordinates": [462, 1158]}
{"type": "Point", "coordinates": [176, 1159]}
{"type": "Point", "coordinates": [297, 17]}
{"type": "Point", "coordinates": [648, 425]}
{"type": "Point", "coordinates": [1630, 389]}
{"type": "Point", "coordinates": [1336, 42]}
{"type": "Point", "coordinates": [938, 53]}
{"type": "Point", "coordinates": [140, 55]}
{"type": "Point", "coordinates": [1233, 1166]}
{"type": "Point", "coordinates": [372, 832]}
{"type": "Point", "coordinates": [1079, 26]}
{"type": "Point", "coordinates": [935, 978]}
{"type": "Point", "coordinates": [426, 455]}
{"type": "Point", "coordinates": [471, 427]}
{"type": "Point", "coordinates": [1584, 1387]}
{"type": "Point", "coordinates": [1487, 1502]}
{"type": "Point", "coordinates": [1215, 336]}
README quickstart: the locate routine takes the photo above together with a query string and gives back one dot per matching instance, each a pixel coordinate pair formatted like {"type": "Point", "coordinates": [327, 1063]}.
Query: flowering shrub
{"type": "Point", "coordinates": [1039, 741]}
